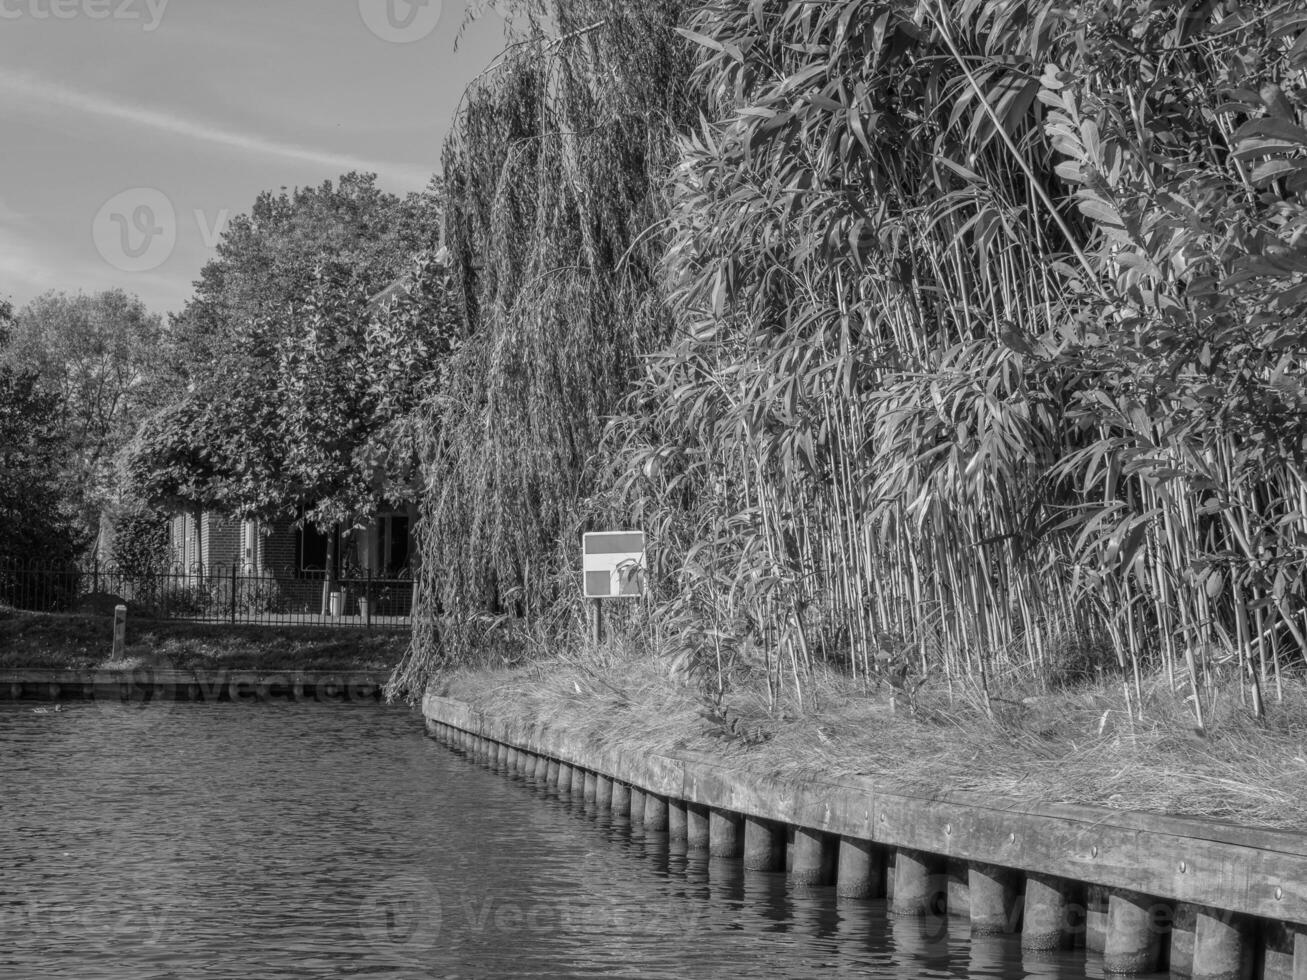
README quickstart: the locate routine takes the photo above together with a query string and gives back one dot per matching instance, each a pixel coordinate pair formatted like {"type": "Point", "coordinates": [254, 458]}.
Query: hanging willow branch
{"type": "Point", "coordinates": [554, 169]}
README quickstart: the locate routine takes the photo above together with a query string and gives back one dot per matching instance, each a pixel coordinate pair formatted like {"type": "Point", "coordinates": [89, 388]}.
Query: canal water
{"type": "Point", "coordinates": [319, 840]}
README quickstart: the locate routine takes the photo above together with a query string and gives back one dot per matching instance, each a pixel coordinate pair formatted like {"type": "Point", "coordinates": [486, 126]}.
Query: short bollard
{"type": "Point", "coordinates": [1133, 943]}
{"type": "Point", "coordinates": [603, 792]}
{"type": "Point", "coordinates": [919, 884]}
{"type": "Point", "coordinates": [677, 821]}
{"type": "Point", "coordinates": [621, 801]}
{"type": "Point", "coordinates": [698, 832]}
{"type": "Point", "coordinates": [993, 899]}
{"type": "Point", "coordinates": [725, 830]}
{"type": "Point", "coordinates": [861, 871]}
{"type": "Point", "coordinates": [655, 812]}
{"type": "Point", "coordinates": [812, 863]}
{"type": "Point", "coordinates": [119, 633]}
{"type": "Point", "coordinates": [1223, 946]}
{"type": "Point", "coordinates": [1046, 920]}
{"type": "Point", "coordinates": [764, 845]}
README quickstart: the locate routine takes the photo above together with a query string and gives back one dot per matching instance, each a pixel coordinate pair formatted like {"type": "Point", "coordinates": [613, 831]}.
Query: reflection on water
{"type": "Point", "coordinates": [307, 840]}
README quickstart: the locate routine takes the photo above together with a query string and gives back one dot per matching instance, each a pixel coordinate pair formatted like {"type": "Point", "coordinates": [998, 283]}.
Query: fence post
{"type": "Point", "coordinates": [367, 618]}
{"type": "Point", "coordinates": [95, 575]}
{"type": "Point", "coordinates": [235, 570]}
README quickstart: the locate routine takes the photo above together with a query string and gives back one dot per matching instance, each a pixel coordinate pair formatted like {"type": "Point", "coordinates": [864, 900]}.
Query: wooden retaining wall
{"type": "Point", "coordinates": [1208, 899]}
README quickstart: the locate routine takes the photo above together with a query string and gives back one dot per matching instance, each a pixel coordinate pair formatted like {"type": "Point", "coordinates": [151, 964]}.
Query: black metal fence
{"type": "Point", "coordinates": [228, 594]}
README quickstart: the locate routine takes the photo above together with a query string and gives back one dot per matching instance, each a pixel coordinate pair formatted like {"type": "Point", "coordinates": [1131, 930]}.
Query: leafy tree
{"type": "Point", "coordinates": [169, 466]}
{"type": "Point", "coordinates": [94, 356]}
{"type": "Point", "coordinates": [288, 371]}
{"type": "Point", "coordinates": [140, 539]}
{"type": "Point", "coordinates": [310, 417]}
{"type": "Point", "coordinates": [35, 524]}
{"type": "Point", "coordinates": [555, 171]}
{"type": "Point", "coordinates": [266, 259]}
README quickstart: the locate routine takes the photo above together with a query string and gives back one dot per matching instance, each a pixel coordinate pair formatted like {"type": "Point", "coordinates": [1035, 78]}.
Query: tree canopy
{"type": "Point", "coordinates": [95, 356]}
{"type": "Point", "coordinates": [306, 379]}
{"type": "Point", "coordinates": [266, 258]}
{"type": "Point", "coordinates": [36, 524]}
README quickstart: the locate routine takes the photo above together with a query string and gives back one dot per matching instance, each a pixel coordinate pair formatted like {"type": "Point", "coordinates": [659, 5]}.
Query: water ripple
{"type": "Point", "coordinates": [306, 840]}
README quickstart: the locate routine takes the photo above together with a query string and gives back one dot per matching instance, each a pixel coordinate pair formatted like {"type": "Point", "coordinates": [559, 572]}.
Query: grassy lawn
{"type": "Point", "coordinates": [37, 640]}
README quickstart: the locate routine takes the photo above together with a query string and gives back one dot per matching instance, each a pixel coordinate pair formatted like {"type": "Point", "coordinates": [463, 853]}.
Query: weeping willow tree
{"type": "Point", "coordinates": [990, 347]}
{"type": "Point", "coordinates": [555, 172]}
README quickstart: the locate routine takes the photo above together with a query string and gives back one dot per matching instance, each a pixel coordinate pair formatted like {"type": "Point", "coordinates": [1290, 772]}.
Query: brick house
{"type": "Point", "coordinates": [216, 542]}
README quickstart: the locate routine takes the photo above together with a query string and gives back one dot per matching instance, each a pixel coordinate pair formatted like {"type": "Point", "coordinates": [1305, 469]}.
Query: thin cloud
{"type": "Point", "coordinates": [26, 90]}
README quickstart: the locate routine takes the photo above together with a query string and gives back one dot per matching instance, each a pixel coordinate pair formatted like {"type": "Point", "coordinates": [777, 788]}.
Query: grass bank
{"type": "Point", "coordinates": [1076, 745]}
{"type": "Point", "coordinates": [57, 642]}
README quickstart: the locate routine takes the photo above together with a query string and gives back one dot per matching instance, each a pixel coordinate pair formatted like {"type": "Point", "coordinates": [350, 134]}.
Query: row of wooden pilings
{"type": "Point", "coordinates": [1136, 934]}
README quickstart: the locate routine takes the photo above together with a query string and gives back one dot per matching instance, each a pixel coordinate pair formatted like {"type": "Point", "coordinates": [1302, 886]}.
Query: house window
{"type": "Point", "coordinates": [311, 548]}
{"type": "Point", "coordinates": [395, 542]}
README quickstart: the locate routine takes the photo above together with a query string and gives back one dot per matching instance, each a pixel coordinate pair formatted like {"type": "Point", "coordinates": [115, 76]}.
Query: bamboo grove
{"type": "Point", "coordinates": [965, 335]}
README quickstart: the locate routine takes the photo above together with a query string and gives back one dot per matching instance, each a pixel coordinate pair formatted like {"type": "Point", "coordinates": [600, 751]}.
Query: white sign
{"type": "Point", "coordinates": [613, 564]}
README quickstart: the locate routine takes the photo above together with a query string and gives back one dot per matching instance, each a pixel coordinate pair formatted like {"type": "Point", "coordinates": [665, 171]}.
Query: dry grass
{"type": "Point", "coordinates": [1075, 746]}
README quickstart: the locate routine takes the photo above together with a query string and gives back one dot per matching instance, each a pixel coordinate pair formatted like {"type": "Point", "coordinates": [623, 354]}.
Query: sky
{"type": "Point", "coordinates": [132, 130]}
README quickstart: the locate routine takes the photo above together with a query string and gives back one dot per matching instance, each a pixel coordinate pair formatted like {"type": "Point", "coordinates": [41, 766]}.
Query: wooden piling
{"type": "Point", "coordinates": [1223, 946]}
{"type": "Point", "coordinates": [551, 778]}
{"type": "Point", "coordinates": [565, 775]}
{"type": "Point", "coordinates": [677, 820]}
{"type": "Point", "coordinates": [578, 783]}
{"type": "Point", "coordinates": [1284, 951]}
{"type": "Point", "coordinates": [698, 827]}
{"type": "Point", "coordinates": [1133, 943]}
{"type": "Point", "coordinates": [590, 787]}
{"type": "Point", "coordinates": [1181, 953]}
{"type": "Point", "coordinates": [959, 888]}
{"type": "Point", "coordinates": [637, 807]}
{"type": "Point", "coordinates": [655, 812]}
{"type": "Point", "coordinates": [764, 845]}
{"type": "Point", "coordinates": [1047, 914]}
{"type": "Point", "coordinates": [621, 801]}
{"type": "Point", "coordinates": [993, 900]}
{"type": "Point", "coordinates": [541, 771]}
{"type": "Point", "coordinates": [814, 855]}
{"type": "Point", "coordinates": [603, 792]}
{"type": "Point", "coordinates": [861, 871]}
{"type": "Point", "coordinates": [919, 884]}
{"type": "Point", "coordinates": [1095, 934]}
{"type": "Point", "coordinates": [725, 830]}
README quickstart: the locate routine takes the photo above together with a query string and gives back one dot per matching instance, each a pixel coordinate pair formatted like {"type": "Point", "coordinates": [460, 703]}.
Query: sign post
{"type": "Point", "coordinates": [613, 564]}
